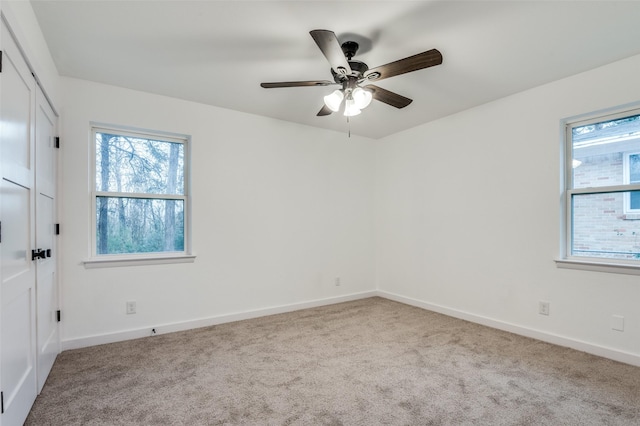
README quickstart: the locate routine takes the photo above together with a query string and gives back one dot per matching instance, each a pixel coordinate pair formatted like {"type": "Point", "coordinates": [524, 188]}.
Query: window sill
{"type": "Point", "coordinates": [116, 261]}
{"type": "Point", "coordinates": [598, 266]}
{"type": "Point", "coordinates": [630, 216]}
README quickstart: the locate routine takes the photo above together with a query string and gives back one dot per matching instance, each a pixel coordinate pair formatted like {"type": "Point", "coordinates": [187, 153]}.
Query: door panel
{"type": "Point", "coordinates": [45, 149]}
{"type": "Point", "coordinates": [48, 336]}
{"type": "Point", "coordinates": [18, 272]}
{"type": "Point", "coordinates": [46, 290]}
{"type": "Point", "coordinates": [18, 315]}
{"type": "Point", "coordinates": [18, 88]}
{"type": "Point", "coordinates": [18, 358]}
{"type": "Point", "coordinates": [16, 238]}
{"type": "Point", "coordinates": [18, 366]}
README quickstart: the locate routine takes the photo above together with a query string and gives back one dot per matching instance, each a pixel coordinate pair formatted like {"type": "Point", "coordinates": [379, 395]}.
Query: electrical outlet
{"type": "Point", "coordinates": [338, 282]}
{"type": "Point", "coordinates": [131, 307]}
{"type": "Point", "coordinates": [617, 322]}
{"type": "Point", "coordinates": [543, 308]}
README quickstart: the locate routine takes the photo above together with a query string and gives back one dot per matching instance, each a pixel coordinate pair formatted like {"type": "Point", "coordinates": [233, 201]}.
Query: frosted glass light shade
{"type": "Point", "coordinates": [334, 100]}
{"type": "Point", "coordinates": [362, 97]}
{"type": "Point", "coordinates": [350, 107]}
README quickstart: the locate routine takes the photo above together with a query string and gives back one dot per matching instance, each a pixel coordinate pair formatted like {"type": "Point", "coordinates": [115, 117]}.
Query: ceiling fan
{"type": "Point", "coordinates": [355, 76]}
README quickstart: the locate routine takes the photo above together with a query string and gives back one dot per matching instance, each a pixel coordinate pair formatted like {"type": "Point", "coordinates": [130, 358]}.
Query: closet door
{"type": "Point", "coordinates": [48, 338]}
{"type": "Point", "coordinates": [18, 270]}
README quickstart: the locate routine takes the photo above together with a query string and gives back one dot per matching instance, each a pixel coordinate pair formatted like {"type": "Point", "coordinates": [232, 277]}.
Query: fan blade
{"type": "Point", "coordinates": [331, 49]}
{"type": "Point", "coordinates": [388, 97]}
{"type": "Point", "coordinates": [297, 84]}
{"type": "Point", "coordinates": [422, 60]}
{"type": "Point", "coordinates": [324, 111]}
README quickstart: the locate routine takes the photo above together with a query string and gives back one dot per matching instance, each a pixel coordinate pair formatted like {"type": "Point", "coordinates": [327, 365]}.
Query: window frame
{"type": "Point", "coordinates": [148, 258]}
{"type": "Point", "coordinates": [599, 264]}
{"type": "Point", "coordinates": [627, 180]}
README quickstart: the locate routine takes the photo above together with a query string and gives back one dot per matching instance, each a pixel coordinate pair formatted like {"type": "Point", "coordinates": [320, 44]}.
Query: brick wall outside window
{"type": "Point", "coordinates": [601, 227]}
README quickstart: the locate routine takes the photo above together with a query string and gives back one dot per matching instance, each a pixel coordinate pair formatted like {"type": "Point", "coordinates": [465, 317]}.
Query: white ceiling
{"type": "Point", "coordinates": [218, 52]}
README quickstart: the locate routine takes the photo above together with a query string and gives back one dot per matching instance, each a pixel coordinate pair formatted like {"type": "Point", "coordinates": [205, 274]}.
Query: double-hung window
{"type": "Point", "coordinates": [140, 199]}
{"type": "Point", "coordinates": [603, 190]}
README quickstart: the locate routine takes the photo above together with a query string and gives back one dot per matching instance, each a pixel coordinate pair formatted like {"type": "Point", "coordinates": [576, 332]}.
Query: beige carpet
{"type": "Point", "coordinates": [368, 362]}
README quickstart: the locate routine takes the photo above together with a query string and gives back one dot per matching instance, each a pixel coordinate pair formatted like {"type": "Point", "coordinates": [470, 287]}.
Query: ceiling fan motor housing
{"type": "Point", "coordinates": [357, 70]}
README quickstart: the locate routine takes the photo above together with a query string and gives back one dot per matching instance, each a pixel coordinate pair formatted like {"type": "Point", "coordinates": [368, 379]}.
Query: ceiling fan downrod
{"type": "Point", "coordinates": [350, 48]}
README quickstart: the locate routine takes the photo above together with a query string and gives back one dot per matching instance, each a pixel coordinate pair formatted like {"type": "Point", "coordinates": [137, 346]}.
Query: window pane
{"type": "Point", "coordinates": [133, 164]}
{"type": "Point", "coordinates": [634, 200]}
{"type": "Point", "coordinates": [598, 152]}
{"type": "Point", "coordinates": [601, 229]}
{"type": "Point", "coordinates": [634, 168]}
{"type": "Point", "coordinates": [139, 225]}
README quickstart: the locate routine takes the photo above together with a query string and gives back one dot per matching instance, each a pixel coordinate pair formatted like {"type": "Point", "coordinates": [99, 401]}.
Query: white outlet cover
{"type": "Point", "coordinates": [543, 308]}
{"type": "Point", "coordinates": [617, 322]}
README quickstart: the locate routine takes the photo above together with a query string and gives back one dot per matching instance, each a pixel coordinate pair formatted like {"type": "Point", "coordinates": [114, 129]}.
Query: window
{"type": "Point", "coordinates": [140, 199]}
{"type": "Point", "coordinates": [603, 189]}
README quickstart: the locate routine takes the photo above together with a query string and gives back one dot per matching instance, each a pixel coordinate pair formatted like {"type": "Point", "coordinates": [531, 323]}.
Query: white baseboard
{"type": "Point", "coordinates": [591, 348]}
{"type": "Point", "coordinates": [614, 354]}
{"type": "Point", "coordinates": [102, 339]}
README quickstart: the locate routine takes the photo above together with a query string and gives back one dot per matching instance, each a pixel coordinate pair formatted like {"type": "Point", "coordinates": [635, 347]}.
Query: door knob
{"type": "Point", "coordinates": [38, 254]}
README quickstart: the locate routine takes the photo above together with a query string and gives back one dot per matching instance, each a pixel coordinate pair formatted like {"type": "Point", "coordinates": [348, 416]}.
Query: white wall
{"type": "Point", "coordinates": [279, 211]}
{"type": "Point", "coordinates": [469, 217]}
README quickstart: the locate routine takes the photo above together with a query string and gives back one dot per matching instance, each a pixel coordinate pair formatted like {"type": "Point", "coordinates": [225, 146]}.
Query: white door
{"type": "Point", "coordinates": [46, 282]}
{"type": "Point", "coordinates": [18, 271]}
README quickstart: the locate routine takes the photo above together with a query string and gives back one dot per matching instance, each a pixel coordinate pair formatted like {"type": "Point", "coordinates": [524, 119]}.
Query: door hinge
{"type": "Point", "coordinates": [56, 142]}
{"type": "Point", "coordinates": [0, 60]}
{"type": "Point", "coordinates": [58, 315]}
{"type": "Point", "coordinates": [57, 229]}
{"type": "Point", "coordinates": [1, 402]}
{"type": "Point", "coordinates": [0, 231]}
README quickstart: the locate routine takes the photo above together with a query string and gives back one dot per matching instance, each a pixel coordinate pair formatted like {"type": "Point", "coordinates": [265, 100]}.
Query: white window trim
{"type": "Point", "coordinates": [566, 260]}
{"type": "Point", "coordinates": [597, 265]}
{"type": "Point", "coordinates": [131, 259]}
{"type": "Point", "coordinates": [109, 261]}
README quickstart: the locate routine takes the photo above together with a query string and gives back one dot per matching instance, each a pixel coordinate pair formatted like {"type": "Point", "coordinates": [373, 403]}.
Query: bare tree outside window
{"type": "Point", "coordinates": [140, 194]}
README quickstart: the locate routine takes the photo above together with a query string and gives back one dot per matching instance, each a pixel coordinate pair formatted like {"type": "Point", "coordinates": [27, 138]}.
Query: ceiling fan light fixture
{"type": "Point", "coordinates": [333, 100]}
{"type": "Point", "coordinates": [350, 107]}
{"type": "Point", "coordinates": [362, 97]}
